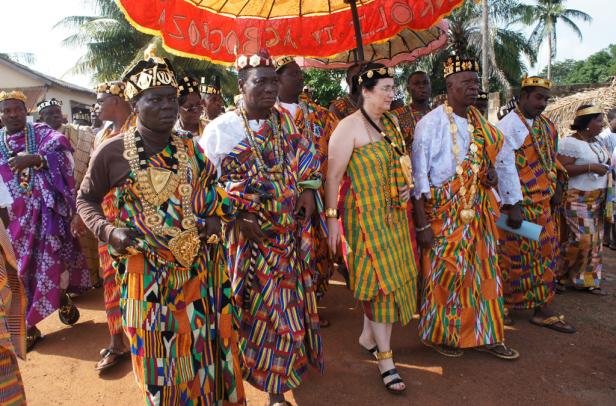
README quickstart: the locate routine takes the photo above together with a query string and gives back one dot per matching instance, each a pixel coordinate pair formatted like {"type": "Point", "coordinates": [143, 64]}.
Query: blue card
{"type": "Point", "coordinates": [528, 230]}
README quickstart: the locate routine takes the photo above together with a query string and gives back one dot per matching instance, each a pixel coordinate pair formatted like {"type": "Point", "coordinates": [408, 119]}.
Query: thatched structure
{"type": "Point", "coordinates": [562, 111]}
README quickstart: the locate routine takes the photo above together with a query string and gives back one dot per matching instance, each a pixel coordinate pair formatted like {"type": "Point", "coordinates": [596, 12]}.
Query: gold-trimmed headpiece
{"type": "Point", "coordinates": [15, 94]}
{"type": "Point", "coordinates": [43, 104]}
{"type": "Point", "coordinates": [187, 85]}
{"type": "Point", "coordinates": [456, 64]}
{"type": "Point", "coordinates": [152, 72]}
{"type": "Point", "coordinates": [378, 73]}
{"type": "Point", "coordinates": [210, 88]}
{"type": "Point", "coordinates": [282, 61]}
{"type": "Point", "coordinates": [536, 81]}
{"type": "Point", "coordinates": [589, 111]}
{"type": "Point", "coordinates": [115, 88]}
{"type": "Point", "coordinates": [260, 59]}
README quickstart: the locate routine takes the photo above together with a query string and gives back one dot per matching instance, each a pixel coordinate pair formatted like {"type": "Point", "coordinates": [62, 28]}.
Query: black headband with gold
{"type": "Point", "coordinates": [115, 88]}
{"type": "Point", "coordinates": [149, 73]}
{"type": "Point", "coordinates": [210, 88]}
{"type": "Point", "coordinates": [456, 64]}
{"type": "Point", "coordinates": [378, 73]}
{"type": "Point", "coordinates": [283, 61]}
{"type": "Point", "coordinates": [81, 115]}
{"type": "Point", "coordinates": [42, 105]}
{"type": "Point", "coordinates": [188, 85]}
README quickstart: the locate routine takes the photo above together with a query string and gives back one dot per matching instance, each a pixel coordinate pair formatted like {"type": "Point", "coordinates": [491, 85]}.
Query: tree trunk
{"type": "Point", "coordinates": [550, 57]}
{"type": "Point", "coordinates": [485, 45]}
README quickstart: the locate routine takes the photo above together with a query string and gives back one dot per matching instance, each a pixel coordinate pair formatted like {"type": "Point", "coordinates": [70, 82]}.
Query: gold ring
{"type": "Point", "coordinates": [213, 239]}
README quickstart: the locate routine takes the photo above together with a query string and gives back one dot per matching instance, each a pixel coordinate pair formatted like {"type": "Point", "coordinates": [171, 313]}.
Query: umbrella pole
{"type": "Point", "coordinates": [359, 55]}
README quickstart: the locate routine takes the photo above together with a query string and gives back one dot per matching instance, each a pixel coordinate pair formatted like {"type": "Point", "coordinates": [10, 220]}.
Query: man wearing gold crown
{"type": "Point", "coordinates": [317, 123]}
{"type": "Point", "coordinates": [213, 103]}
{"type": "Point", "coordinates": [36, 165]}
{"type": "Point", "coordinates": [271, 173]}
{"type": "Point", "coordinates": [175, 302]}
{"type": "Point", "coordinates": [454, 153]}
{"type": "Point", "coordinates": [528, 266]}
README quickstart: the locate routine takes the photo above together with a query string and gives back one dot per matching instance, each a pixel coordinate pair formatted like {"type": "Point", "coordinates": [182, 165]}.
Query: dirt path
{"type": "Point", "coordinates": [578, 369]}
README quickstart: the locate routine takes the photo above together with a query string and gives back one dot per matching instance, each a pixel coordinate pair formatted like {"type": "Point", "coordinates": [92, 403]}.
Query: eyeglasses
{"type": "Point", "coordinates": [193, 109]}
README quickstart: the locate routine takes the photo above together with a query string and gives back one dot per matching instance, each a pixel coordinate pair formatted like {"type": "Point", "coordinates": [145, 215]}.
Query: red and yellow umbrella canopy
{"type": "Point", "coordinates": [215, 29]}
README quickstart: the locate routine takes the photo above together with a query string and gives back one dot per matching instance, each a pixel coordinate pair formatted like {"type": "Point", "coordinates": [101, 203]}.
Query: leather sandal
{"type": "Point", "coordinates": [393, 372]}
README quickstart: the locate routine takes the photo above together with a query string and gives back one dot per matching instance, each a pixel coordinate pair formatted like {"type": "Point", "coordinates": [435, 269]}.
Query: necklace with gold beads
{"type": "Point", "coordinates": [467, 214]}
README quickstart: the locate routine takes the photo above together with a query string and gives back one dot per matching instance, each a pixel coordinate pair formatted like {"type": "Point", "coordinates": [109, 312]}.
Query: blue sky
{"type": "Point", "coordinates": [27, 26]}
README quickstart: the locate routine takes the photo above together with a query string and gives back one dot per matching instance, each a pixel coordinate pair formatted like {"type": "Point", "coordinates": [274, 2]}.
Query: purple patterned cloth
{"type": "Point", "coordinates": [40, 225]}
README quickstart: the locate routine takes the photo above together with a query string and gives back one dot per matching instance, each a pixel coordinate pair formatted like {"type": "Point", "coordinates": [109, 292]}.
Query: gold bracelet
{"type": "Point", "coordinates": [331, 213]}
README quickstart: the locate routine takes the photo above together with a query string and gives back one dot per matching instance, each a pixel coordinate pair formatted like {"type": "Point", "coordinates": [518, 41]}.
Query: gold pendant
{"type": "Point", "coordinates": [467, 215]}
{"type": "Point", "coordinates": [185, 247]}
{"type": "Point", "coordinates": [405, 163]}
{"type": "Point", "coordinates": [158, 184]}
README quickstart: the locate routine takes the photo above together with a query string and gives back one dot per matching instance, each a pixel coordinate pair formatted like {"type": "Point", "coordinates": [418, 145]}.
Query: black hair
{"type": "Point", "coordinates": [369, 83]}
{"type": "Point", "coordinates": [611, 114]}
{"type": "Point", "coordinates": [183, 97]}
{"type": "Point", "coordinates": [581, 123]}
{"type": "Point", "coordinates": [417, 72]}
{"type": "Point", "coordinates": [529, 89]}
{"type": "Point", "coordinates": [281, 70]}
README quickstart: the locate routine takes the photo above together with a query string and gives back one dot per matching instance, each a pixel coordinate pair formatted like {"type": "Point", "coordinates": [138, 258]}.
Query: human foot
{"type": "Point", "coordinates": [391, 378]}
{"type": "Point", "coordinates": [368, 343]}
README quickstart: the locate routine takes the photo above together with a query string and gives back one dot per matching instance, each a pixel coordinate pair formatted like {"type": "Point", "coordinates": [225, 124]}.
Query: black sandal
{"type": "Point", "coordinates": [380, 356]}
{"type": "Point", "coordinates": [32, 338]}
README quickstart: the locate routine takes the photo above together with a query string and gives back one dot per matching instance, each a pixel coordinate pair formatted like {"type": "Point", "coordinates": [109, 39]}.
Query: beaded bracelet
{"type": "Point", "coordinates": [424, 228]}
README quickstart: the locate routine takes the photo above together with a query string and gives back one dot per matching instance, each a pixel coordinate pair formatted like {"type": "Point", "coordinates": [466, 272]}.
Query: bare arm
{"type": "Point", "coordinates": [575, 170]}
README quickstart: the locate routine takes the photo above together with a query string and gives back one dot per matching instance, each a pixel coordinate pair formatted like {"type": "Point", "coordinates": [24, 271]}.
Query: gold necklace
{"type": "Point", "coordinates": [467, 214]}
{"type": "Point", "coordinates": [184, 244]}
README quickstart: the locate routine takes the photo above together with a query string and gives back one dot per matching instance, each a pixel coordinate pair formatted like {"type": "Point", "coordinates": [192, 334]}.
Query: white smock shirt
{"type": "Point", "coordinates": [6, 200]}
{"type": "Point", "coordinates": [585, 153]}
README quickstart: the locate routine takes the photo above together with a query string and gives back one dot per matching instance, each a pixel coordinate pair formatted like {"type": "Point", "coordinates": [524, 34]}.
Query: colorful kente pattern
{"type": "Point", "coordinates": [462, 303]}
{"type": "Point", "coordinates": [582, 252]}
{"type": "Point", "coordinates": [179, 321]}
{"type": "Point", "coordinates": [529, 267]}
{"type": "Point", "coordinates": [407, 119]}
{"type": "Point", "coordinates": [344, 107]}
{"type": "Point", "coordinates": [319, 125]}
{"type": "Point", "coordinates": [272, 280]}
{"type": "Point", "coordinates": [380, 258]}
{"type": "Point", "coordinates": [111, 286]}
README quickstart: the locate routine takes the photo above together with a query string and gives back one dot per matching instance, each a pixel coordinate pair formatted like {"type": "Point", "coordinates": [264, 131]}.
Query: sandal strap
{"type": "Point", "coordinates": [390, 372]}
{"type": "Point", "coordinates": [384, 355]}
{"type": "Point", "coordinates": [554, 320]}
{"type": "Point", "coordinates": [393, 382]}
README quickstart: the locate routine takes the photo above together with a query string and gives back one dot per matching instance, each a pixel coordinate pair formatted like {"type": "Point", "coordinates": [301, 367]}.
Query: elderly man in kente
{"type": "Point", "coordinates": [36, 165]}
{"type": "Point", "coordinates": [114, 109]}
{"type": "Point", "coordinates": [343, 106]}
{"type": "Point", "coordinates": [317, 123]}
{"type": "Point", "coordinates": [81, 138]}
{"type": "Point", "coordinates": [175, 293]}
{"type": "Point", "coordinates": [12, 314]}
{"type": "Point", "coordinates": [454, 153]}
{"type": "Point", "coordinates": [211, 96]}
{"type": "Point", "coordinates": [368, 148]}
{"type": "Point", "coordinates": [587, 163]}
{"type": "Point", "coordinates": [191, 107]}
{"type": "Point", "coordinates": [529, 267]}
{"type": "Point", "coordinates": [271, 173]}
{"type": "Point", "coordinates": [419, 89]}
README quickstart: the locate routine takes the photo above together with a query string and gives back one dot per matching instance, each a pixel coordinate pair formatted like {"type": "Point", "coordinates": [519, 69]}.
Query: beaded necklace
{"type": "Point", "coordinates": [545, 153]}
{"type": "Point", "coordinates": [274, 173]}
{"type": "Point", "coordinates": [26, 177]}
{"type": "Point", "coordinates": [467, 213]}
{"type": "Point", "coordinates": [599, 151]}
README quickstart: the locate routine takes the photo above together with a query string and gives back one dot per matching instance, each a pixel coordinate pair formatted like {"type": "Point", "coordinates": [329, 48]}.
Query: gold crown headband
{"type": "Point", "coordinates": [282, 61]}
{"type": "Point", "coordinates": [188, 85]}
{"type": "Point", "coordinates": [15, 94]}
{"type": "Point", "coordinates": [252, 61]}
{"type": "Point", "coordinates": [379, 72]}
{"type": "Point", "coordinates": [536, 82]}
{"type": "Point", "coordinates": [589, 111]}
{"type": "Point", "coordinates": [113, 88]}
{"type": "Point", "coordinates": [455, 64]}
{"type": "Point", "coordinates": [48, 103]}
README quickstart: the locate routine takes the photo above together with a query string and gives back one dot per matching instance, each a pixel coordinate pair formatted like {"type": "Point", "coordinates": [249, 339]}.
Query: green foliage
{"type": "Point", "coordinates": [597, 68]}
{"type": "Point", "coordinates": [325, 85]}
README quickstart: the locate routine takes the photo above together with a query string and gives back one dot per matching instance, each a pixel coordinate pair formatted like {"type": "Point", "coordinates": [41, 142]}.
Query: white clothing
{"type": "Point", "coordinates": [290, 107]}
{"type": "Point", "coordinates": [223, 134]}
{"type": "Point", "coordinates": [515, 133]}
{"type": "Point", "coordinates": [6, 200]}
{"type": "Point", "coordinates": [608, 139]}
{"type": "Point", "coordinates": [433, 160]}
{"type": "Point", "coordinates": [585, 154]}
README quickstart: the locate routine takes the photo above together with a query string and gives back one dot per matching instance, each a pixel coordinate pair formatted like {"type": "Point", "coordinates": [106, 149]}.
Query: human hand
{"type": "Point", "coordinates": [78, 227]}
{"type": "Point", "coordinates": [211, 228]}
{"type": "Point", "coordinates": [491, 178]}
{"type": "Point", "coordinates": [405, 193]}
{"type": "Point", "coordinates": [23, 161]}
{"type": "Point", "coordinates": [305, 205]}
{"type": "Point", "coordinates": [599, 169]}
{"type": "Point", "coordinates": [333, 239]}
{"type": "Point", "coordinates": [425, 238]}
{"type": "Point", "coordinates": [121, 239]}
{"type": "Point", "coordinates": [514, 219]}
{"type": "Point", "coordinates": [249, 227]}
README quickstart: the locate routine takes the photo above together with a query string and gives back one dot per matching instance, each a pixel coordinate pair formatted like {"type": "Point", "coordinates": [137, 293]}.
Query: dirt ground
{"type": "Point", "coordinates": [554, 368]}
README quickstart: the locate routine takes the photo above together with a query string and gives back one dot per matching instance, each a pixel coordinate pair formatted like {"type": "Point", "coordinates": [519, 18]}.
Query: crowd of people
{"type": "Point", "coordinates": [214, 234]}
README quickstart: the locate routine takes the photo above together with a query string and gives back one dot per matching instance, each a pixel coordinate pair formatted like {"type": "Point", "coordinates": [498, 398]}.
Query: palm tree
{"type": "Point", "coordinates": [20, 57]}
{"type": "Point", "coordinates": [544, 16]}
{"type": "Point", "coordinates": [112, 44]}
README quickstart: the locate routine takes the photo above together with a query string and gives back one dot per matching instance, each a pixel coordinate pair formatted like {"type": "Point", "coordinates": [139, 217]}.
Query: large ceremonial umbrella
{"type": "Point", "coordinates": [404, 47]}
{"type": "Point", "coordinates": [216, 29]}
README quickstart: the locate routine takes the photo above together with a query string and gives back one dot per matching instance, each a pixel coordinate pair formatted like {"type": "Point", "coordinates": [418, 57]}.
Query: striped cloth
{"type": "Point", "coordinates": [528, 266]}
{"type": "Point", "coordinates": [12, 325]}
{"type": "Point", "coordinates": [318, 123]}
{"type": "Point", "coordinates": [343, 107]}
{"type": "Point", "coordinates": [179, 321]}
{"type": "Point", "coordinates": [407, 119]}
{"type": "Point", "coordinates": [380, 259]}
{"type": "Point", "coordinates": [111, 287]}
{"type": "Point", "coordinates": [582, 252]}
{"type": "Point", "coordinates": [272, 281]}
{"type": "Point", "coordinates": [462, 303]}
